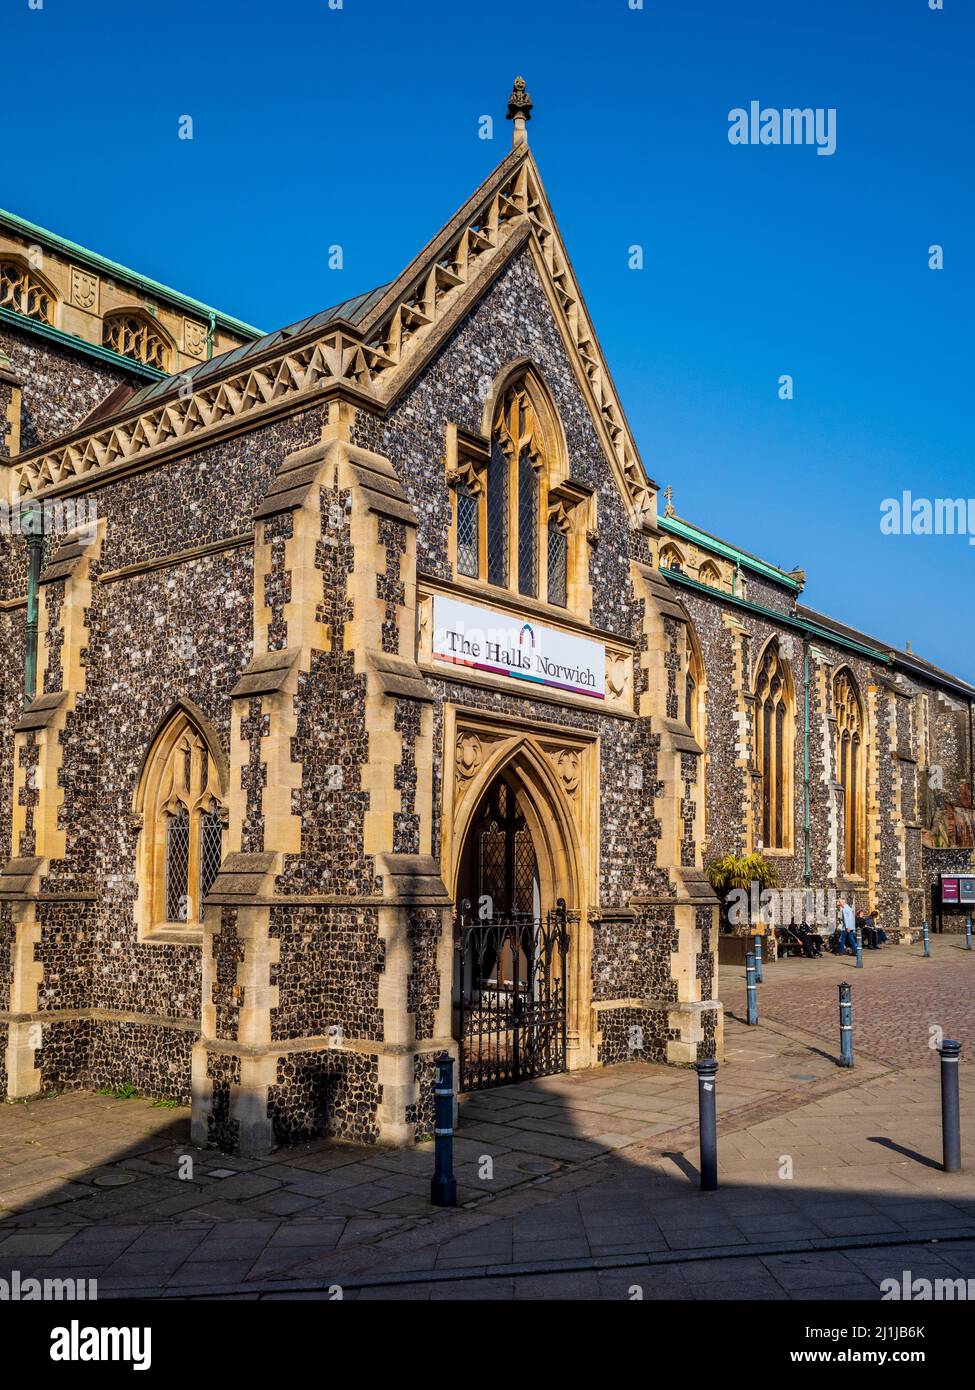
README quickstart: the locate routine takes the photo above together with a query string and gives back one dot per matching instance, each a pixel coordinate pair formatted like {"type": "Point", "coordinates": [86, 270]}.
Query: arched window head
{"type": "Point", "coordinates": [180, 810]}
{"type": "Point", "coordinates": [850, 767]}
{"type": "Point", "coordinates": [774, 720]}
{"type": "Point", "coordinates": [709, 574]}
{"type": "Point", "coordinates": [136, 335]}
{"type": "Point", "coordinates": [22, 290]}
{"type": "Point", "coordinates": [671, 559]}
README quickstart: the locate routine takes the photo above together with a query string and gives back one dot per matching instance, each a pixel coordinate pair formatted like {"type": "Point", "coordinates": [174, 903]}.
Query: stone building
{"type": "Point", "coordinates": [371, 709]}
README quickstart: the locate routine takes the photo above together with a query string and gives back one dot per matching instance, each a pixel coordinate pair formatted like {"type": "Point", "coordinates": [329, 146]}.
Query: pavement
{"type": "Point", "coordinates": [576, 1186]}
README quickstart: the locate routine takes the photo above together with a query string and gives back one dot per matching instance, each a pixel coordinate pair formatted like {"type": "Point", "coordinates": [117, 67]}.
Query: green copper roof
{"type": "Point", "coordinates": [677, 527]}
{"type": "Point", "coordinates": [121, 272]}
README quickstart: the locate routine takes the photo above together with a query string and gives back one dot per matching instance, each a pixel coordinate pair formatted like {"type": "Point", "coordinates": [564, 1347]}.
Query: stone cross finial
{"type": "Point", "coordinates": [519, 111]}
{"type": "Point", "coordinates": [669, 495]}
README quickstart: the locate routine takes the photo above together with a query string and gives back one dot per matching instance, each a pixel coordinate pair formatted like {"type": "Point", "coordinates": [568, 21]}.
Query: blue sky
{"type": "Point", "coordinates": [360, 126]}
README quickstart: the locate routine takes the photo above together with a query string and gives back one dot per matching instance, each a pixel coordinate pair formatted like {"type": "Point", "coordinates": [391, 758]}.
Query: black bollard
{"type": "Point", "coordinates": [751, 987]}
{"type": "Point", "coordinates": [950, 1118]}
{"type": "Point", "coordinates": [443, 1185]}
{"type": "Point", "coordinates": [846, 1025]}
{"type": "Point", "coordinates": [707, 1071]}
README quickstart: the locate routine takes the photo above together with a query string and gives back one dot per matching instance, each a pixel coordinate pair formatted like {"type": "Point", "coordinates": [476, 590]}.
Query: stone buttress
{"type": "Point", "coordinates": [678, 896]}
{"type": "Point", "coordinates": [326, 932]}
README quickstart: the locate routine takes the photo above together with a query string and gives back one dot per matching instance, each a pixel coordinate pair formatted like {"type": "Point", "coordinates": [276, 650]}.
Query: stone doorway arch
{"type": "Point", "coordinates": [551, 782]}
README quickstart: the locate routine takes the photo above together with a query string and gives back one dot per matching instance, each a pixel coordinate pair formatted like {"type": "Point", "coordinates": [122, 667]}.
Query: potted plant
{"type": "Point", "coordinates": [732, 875]}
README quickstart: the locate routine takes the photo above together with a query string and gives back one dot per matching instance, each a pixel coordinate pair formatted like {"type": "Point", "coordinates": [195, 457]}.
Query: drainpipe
{"type": "Point", "coordinates": [211, 334]}
{"type": "Point", "coordinates": [734, 580]}
{"type": "Point", "coordinates": [34, 518]}
{"type": "Point", "coordinates": [807, 827]}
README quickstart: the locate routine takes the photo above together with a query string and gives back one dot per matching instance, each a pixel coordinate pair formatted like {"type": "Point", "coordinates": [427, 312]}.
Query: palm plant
{"type": "Point", "coordinates": [731, 872]}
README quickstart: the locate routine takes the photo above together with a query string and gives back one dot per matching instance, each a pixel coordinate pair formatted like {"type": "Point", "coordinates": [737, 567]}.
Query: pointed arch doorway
{"type": "Point", "coordinates": [511, 942]}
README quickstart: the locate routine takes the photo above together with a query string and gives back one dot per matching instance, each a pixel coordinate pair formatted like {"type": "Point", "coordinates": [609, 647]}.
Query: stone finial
{"type": "Point", "coordinates": [799, 575]}
{"type": "Point", "coordinates": [519, 111]}
{"type": "Point", "coordinates": [669, 495]}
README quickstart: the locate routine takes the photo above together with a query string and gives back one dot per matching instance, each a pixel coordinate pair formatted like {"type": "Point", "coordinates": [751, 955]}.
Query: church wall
{"type": "Point", "coordinates": [893, 878]}
{"type": "Point", "coordinates": [767, 594]}
{"type": "Point", "coordinates": [59, 387]}
{"type": "Point", "coordinates": [121, 1009]}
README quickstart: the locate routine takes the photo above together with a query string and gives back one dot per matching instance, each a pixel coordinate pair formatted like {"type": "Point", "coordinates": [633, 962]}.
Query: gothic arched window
{"type": "Point", "coordinates": [179, 804]}
{"type": "Point", "coordinates": [708, 574]}
{"type": "Point", "coordinates": [850, 767]}
{"type": "Point", "coordinates": [25, 292]}
{"type": "Point", "coordinates": [518, 439]}
{"type": "Point", "coordinates": [671, 559]}
{"type": "Point", "coordinates": [135, 335]}
{"type": "Point", "coordinates": [519, 521]}
{"type": "Point", "coordinates": [773, 726]}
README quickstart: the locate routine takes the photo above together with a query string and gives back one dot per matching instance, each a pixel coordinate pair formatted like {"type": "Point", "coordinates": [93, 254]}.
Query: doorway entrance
{"type": "Point", "coordinates": [510, 950]}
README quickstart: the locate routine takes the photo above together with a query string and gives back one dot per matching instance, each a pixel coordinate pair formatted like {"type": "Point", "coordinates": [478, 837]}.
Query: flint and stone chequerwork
{"type": "Point", "coordinates": [237, 817]}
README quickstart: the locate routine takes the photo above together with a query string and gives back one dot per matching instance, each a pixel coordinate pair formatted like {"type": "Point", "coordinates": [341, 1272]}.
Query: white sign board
{"type": "Point", "coordinates": [483, 639]}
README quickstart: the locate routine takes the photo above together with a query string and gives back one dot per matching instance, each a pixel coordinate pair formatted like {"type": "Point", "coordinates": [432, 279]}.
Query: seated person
{"type": "Point", "coordinates": [812, 942]}
{"type": "Point", "coordinates": [876, 930]}
{"type": "Point", "coordinates": [788, 941]}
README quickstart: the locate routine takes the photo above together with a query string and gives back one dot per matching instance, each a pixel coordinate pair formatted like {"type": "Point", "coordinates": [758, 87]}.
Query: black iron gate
{"type": "Point", "coordinates": [511, 975]}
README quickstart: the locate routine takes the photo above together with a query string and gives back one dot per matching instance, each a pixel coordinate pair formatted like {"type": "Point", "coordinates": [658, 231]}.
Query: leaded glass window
{"type": "Point", "coordinates": [527, 525]}
{"type": "Point", "coordinates": [849, 736]}
{"type": "Point", "coordinates": [558, 564]}
{"type": "Point", "coordinates": [177, 866]}
{"type": "Point", "coordinates": [467, 531]}
{"type": "Point", "coordinates": [211, 850]}
{"type": "Point", "coordinates": [179, 803]}
{"type": "Point", "coordinates": [497, 516]}
{"type": "Point", "coordinates": [773, 713]}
